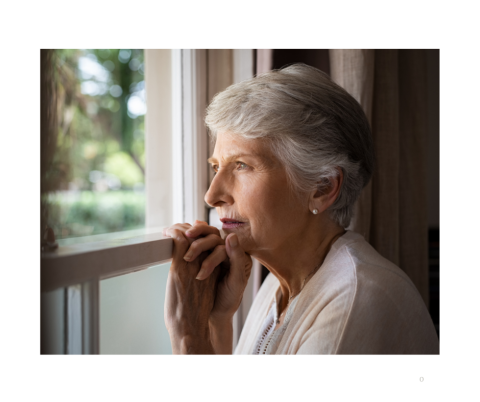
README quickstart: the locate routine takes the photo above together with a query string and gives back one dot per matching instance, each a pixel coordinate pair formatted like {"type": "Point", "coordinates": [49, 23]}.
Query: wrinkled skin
{"type": "Point", "coordinates": [195, 304]}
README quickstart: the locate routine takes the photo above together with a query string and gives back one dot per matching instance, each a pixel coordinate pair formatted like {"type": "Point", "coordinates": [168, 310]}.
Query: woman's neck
{"type": "Point", "coordinates": [294, 263]}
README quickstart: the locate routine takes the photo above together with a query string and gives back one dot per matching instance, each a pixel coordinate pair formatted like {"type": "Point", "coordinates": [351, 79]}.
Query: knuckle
{"type": "Point", "coordinates": [194, 246]}
{"type": "Point", "coordinates": [181, 240]}
{"type": "Point", "coordinates": [183, 227]}
{"type": "Point", "coordinates": [211, 237]}
{"type": "Point", "coordinates": [214, 231]}
{"type": "Point", "coordinates": [217, 239]}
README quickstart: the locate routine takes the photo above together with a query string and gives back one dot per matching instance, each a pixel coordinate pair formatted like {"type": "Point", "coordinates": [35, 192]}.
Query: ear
{"type": "Point", "coordinates": [326, 192]}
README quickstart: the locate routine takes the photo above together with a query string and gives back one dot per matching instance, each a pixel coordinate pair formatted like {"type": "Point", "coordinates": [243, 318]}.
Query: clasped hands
{"type": "Point", "coordinates": [205, 286]}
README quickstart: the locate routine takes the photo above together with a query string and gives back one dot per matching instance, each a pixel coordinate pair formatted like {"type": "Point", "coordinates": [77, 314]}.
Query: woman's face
{"type": "Point", "coordinates": [252, 196]}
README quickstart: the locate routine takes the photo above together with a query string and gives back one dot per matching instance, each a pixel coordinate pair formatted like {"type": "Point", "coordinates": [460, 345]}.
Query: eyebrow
{"type": "Point", "coordinates": [231, 157]}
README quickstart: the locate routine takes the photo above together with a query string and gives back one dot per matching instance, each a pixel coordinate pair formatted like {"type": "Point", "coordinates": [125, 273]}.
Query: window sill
{"type": "Point", "coordinates": [116, 254]}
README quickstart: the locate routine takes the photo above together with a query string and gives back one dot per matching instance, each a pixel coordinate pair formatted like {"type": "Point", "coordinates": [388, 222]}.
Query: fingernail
{"type": "Point", "coordinates": [188, 232]}
{"type": "Point", "coordinates": [200, 275]}
{"type": "Point", "coordinates": [233, 241]}
{"type": "Point", "coordinates": [188, 256]}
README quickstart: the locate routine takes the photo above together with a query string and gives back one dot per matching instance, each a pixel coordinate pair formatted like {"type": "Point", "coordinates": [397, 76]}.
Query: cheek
{"type": "Point", "coordinates": [267, 203]}
{"type": "Point", "coordinates": [253, 197]}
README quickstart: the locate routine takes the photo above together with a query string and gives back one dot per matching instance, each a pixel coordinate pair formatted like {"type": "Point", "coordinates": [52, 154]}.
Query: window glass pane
{"type": "Point", "coordinates": [53, 322]}
{"type": "Point", "coordinates": [131, 313]}
{"type": "Point", "coordinates": [96, 180]}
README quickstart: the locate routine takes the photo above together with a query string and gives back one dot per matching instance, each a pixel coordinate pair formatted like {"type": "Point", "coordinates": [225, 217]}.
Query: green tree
{"type": "Point", "coordinates": [95, 88]}
{"type": "Point", "coordinates": [96, 127]}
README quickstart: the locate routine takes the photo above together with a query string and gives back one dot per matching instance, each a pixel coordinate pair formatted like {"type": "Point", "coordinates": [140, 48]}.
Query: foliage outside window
{"type": "Point", "coordinates": [93, 107]}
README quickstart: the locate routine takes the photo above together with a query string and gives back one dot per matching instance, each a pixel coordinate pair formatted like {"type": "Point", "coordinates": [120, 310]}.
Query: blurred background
{"type": "Point", "coordinates": [96, 176]}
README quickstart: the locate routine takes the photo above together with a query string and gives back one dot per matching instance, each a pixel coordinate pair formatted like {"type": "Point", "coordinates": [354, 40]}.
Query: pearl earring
{"type": "Point", "coordinates": [315, 211]}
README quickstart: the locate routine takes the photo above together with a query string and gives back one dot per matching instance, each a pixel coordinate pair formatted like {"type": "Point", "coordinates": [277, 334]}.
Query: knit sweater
{"type": "Point", "coordinates": [357, 303]}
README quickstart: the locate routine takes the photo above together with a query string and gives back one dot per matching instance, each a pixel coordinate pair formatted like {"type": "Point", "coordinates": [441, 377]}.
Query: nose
{"type": "Point", "coordinates": [219, 194]}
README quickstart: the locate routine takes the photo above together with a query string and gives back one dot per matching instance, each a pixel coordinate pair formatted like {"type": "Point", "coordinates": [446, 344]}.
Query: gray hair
{"type": "Point", "coordinates": [314, 126]}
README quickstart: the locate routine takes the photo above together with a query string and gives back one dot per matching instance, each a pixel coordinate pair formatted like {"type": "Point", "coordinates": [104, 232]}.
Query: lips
{"type": "Point", "coordinates": [231, 223]}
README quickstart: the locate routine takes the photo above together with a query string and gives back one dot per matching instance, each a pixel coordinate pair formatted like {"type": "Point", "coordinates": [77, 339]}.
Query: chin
{"type": "Point", "coordinates": [244, 238]}
{"type": "Point", "coordinates": [246, 243]}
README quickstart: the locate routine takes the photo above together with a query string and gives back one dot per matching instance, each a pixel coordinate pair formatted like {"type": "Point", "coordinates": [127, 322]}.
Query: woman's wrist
{"type": "Point", "coordinates": [217, 339]}
{"type": "Point", "coordinates": [220, 320]}
{"type": "Point", "coordinates": [192, 345]}
{"type": "Point", "coordinates": [221, 334]}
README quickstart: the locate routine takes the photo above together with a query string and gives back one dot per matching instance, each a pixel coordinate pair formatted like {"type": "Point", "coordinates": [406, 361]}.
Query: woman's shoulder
{"type": "Point", "coordinates": [355, 272]}
{"type": "Point", "coordinates": [353, 262]}
{"type": "Point", "coordinates": [359, 302]}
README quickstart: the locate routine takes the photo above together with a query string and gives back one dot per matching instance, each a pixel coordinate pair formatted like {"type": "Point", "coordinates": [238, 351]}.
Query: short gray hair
{"type": "Point", "coordinates": [314, 126]}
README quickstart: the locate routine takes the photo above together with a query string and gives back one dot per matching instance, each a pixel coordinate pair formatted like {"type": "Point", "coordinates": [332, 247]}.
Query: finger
{"type": "Point", "coordinates": [202, 244]}
{"type": "Point", "coordinates": [183, 227]}
{"type": "Point", "coordinates": [202, 229]}
{"type": "Point", "coordinates": [180, 243]}
{"type": "Point", "coordinates": [240, 262]}
{"type": "Point", "coordinates": [212, 261]}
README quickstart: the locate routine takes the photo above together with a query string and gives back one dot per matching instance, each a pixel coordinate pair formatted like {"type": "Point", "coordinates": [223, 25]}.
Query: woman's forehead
{"type": "Point", "coordinates": [230, 146]}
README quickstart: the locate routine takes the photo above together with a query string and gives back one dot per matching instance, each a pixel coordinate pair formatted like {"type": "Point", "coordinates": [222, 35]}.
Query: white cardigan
{"type": "Point", "coordinates": [356, 303]}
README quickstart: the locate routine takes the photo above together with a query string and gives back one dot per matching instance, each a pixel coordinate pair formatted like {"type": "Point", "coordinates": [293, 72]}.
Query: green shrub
{"type": "Point", "coordinates": [88, 213]}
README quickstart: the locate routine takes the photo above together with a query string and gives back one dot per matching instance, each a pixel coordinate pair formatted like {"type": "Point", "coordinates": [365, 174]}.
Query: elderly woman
{"type": "Point", "coordinates": [293, 151]}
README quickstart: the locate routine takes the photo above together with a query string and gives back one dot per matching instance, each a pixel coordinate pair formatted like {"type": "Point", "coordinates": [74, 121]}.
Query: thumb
{"type": "Point", "coordinates": [240, 262]}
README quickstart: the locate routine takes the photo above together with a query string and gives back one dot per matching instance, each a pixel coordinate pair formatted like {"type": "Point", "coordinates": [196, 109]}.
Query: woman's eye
{"type": "Point", "coordinates": [215, 168]}
{"type": "Point", "coordinates": [241, 166]}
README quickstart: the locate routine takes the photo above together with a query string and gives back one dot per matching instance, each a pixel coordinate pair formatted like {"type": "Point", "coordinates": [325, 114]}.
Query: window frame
{"type": "Point", "coordinates": [78, 268]}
